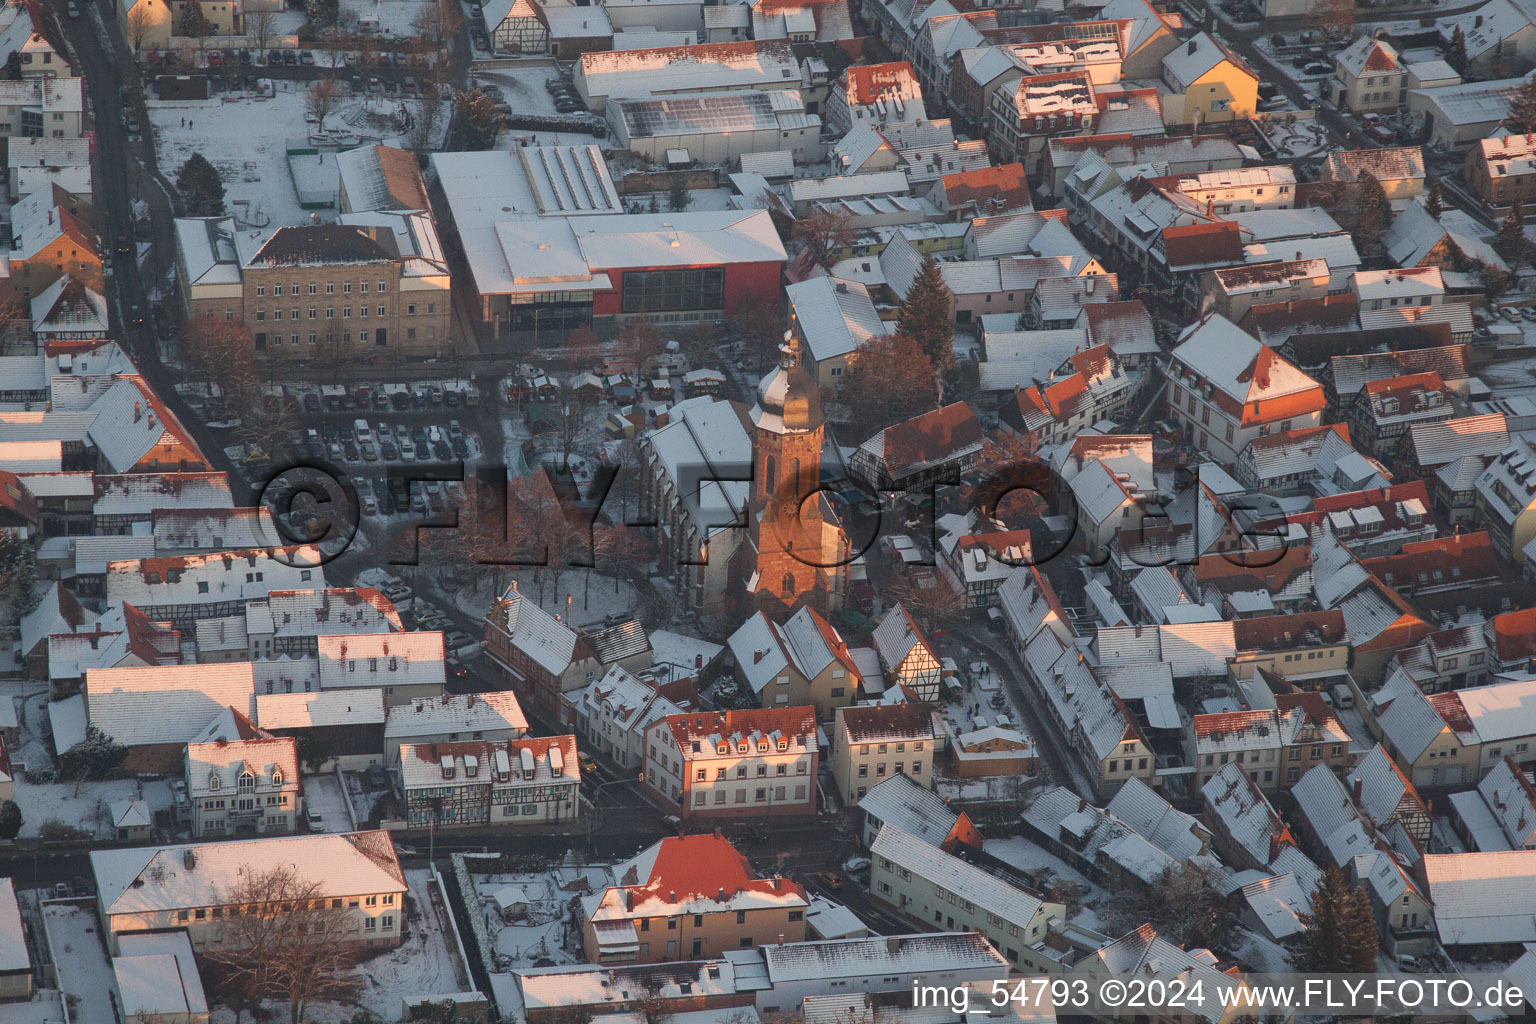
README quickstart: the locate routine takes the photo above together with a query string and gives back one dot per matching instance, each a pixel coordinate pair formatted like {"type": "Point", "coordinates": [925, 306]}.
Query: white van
{"type": "Point", "coordinates": [1343, 696]}
{"type": "Point", "coordinates": [363, 431]}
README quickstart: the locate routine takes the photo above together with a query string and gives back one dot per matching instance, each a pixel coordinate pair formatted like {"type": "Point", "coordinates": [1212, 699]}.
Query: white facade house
{"type": "Point", "coordinates": [155, 888]}
{"type": "Point", "coordinates": [611, 714]}
{"type": "Point", "coordinates": [924, 883]}
{"type": "Point", "coordinates": [243, 786]}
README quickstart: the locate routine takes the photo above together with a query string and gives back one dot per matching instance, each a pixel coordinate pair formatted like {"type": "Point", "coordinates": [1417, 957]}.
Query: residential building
{"type": "Point", "coordinates": [195, 887]}
{"type": "Point", "coordinates": [243, 786]}
{"type": "Point", "coordinates": [1434, 749]}
{"type": "Point", "coordinates": [1386, 409]}
{"type": "Point", "coordinates": [1502, 170]}
{"type": "Point", "coordinates": [156, 710]}
{"type": "Point", "coordinates": [832, 318]}
{"type": "Point", "coordinates": [1276, 746]}
{"type": "Point", "coordinates": [1481, 899]}
{"type": "Point", "coordinates": [501, 783]}
{"type": "Point", "coordinates": [802, 661]}
{"type": "Point", "coordinates": [1209, 82]}
{"type": "Point", "coordinates": [1506, 500]}
{"type": "Point", "coordinates": [913, 457]}
{"type": "Point", "coordinates": [611, 714]}
{"type": "Point", "coordinates": [41, 107]}
{"type": "Point", "coordinates": [16, 961]}
{"type": "Point", "coordinates": [1232, 292]}
{"type": "Point", "coordinates": [1399, 169]}
{"type": "Point", "coordinates": [984, 192]}
{"type": "Point", "coordinates": [1369, 76]}
{"type": "Point", "coordinates": [182, 589]}
{"type": "Point", "coordinates": [1245, 829]}
{"type": "Point", "coordinates": [1500, 814]}
{"type": "Point", "coordinates": [689, 896]}
{"type": "Point", "coordinates": [1228, 389]}
{"type": "Point", "coordinates": [538, 654]}
{"type": "Point", "coordinates": [406, 666]}
{"type": "Point", "coordinates": [872, 743]}
{"type": "Point", "coordinates": [907, 657]}
{"type": "Point", "coordinates": [493, 717]}
{"type": "Point", "coordinates": [878, 93]}
{"type": "Point", "coordinates": [924, 884]}
{"type": "Point", "coordinates": [916, 810]}
{"type": "Point", "coordinates": [734, 764]}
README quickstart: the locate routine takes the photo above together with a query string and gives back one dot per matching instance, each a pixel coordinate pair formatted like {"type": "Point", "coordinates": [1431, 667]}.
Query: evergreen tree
{"type": "Point", "coordinates": [18, 574]}
{"type": "Point", "coordinates": [1435, 204]}
{"type": "Point", "coordinates": [10, 820]}
{"type": "Point", "coordinates": [194, 23]}
{"type": "Point", "coordinates": [678, 198]}
{"type": "Point", "coordinates": [1340, 935]}
{"type": "Point", "coordinates": [12, 72]}
{"type": "Point", "coordinates": [1522, 110]}
{"type": "Point", "coordinates": [477, 117]}
{"type": "Point", "coordinates": [1372, 211]}
{"type": "Point", "coordinates": [201, 186]}
{"type": "Point", "coordinates": [1455, 258]}
{"type": "Point", "coordinates": [1510, 241]}
{"type": "Point", "coordinates": [924, 316]}
{"type": "Point", "coordinates": [1456, 52]}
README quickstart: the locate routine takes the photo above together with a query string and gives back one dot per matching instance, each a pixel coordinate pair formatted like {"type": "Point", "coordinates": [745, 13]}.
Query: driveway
{"type": "Point", "coordinates": [323, 793]}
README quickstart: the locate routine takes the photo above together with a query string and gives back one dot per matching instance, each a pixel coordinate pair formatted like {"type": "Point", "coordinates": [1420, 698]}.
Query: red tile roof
{"type": "Point", "coordinates": [1191, 245]}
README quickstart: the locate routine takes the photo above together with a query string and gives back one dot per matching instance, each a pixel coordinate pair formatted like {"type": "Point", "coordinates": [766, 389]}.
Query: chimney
{"type": "Point", "coordinates": [1479, 22]}
{"type": "Point", "coordinates": [757, 656]}
{"type": "Point", "coordinates": [1193, 46]}
{"type": "Point", "coordinates": [50, 216]}
{"type": "Point", "coordinates": [138, 411]}
{"type": "Point", "coordinates": [188, 859]}
{"type": "Point", "coordinates": [629, 899]}
{"type": "Point", "coordinates": [893, 944]}
{"type": "Point", "coordinates": [1274, 847]}
{"type": "Point", "coordinates": [1359, 790]}
{"type": "Point", "coordinates": [721, 894]}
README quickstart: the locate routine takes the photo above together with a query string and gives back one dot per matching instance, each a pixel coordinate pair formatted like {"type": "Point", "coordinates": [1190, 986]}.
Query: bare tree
{"type": "Point", "coordinates": [618, 551]}
{"type": "Point", "coordinates": [760, 325]}
{"type": "Point", "coordinates": [221, 351]}
{"type": "Point", "coordinates": [426, 121]}
{"type": "Point", "coordinates": [139, 23]}
{"type": "Point", "coordinates": [267, 422]}
{"type": "Point", "coordinates": [823, 233]}
{"type": "Point", "coordinates": [261, 26]}
{"type": "Point", "coordinates": [639, 346]}
{"type": "Point", "coordinates": [321, 98]}
{"type": "Point", "coordinates": [436, 23]}
{"type": "Point", "coordinates": [283, 939]}
{"type": "Point", "coordinates": [553, 540]}
{"type": "Point", "coordinates": [574, 414]}
{"type": "Point", "coordinates": [891, 380]}
{"type": "Point", "coordinates": [1336, 18]}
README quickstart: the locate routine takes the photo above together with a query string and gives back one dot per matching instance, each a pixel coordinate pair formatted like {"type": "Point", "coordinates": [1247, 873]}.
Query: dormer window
{"type": "Point", "coordinates": [246, 783]}
{"type": "Point", "coordinates": [277, 776]}
{"type": "Point", "coordinates": [213, 780]}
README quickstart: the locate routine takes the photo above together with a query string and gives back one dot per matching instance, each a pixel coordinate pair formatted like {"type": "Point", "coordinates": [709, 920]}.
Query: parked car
{"type": "Point", "coordinates": [316, 822]}
{"type": "Point", "coordinates": [306, 58]}
{"type": "Point", "coordinates": [376, 777]}
{"type": "Point", "coordinates": [457, 640]}
{"type": "Point", "coordinates": [1509, 313]}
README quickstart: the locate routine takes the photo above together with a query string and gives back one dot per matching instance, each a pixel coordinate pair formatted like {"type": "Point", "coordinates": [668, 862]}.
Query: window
{"type": "Point", "coordinates": [668, 290]}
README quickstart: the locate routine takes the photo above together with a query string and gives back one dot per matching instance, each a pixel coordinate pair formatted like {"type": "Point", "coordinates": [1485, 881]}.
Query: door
{"type": "Point", "coordinates": [378, 337]}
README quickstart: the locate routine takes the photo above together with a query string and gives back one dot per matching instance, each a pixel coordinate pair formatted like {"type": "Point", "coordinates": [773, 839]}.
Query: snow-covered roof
{"type": "Point", "coordinates": [351, 660]}
{"type": "Point", "coordinates": [1278, 902]}
{"type": "Point", "coordinates": [316, 710]}
{"type": "Point", "coordinates": [535, 632]}
{"type": "Point", "coordinates": [932, 954]}
{"type": "Point", "coordinates": [1483, 898]}
{"type": "Point", "coordinates": [13, 940]}
{"type": "Point", "coordinates": [749, 65]}
{"type": "Point", "coordinates": [185, 986]}
{"type": "Point", "coordinates": [1243, 812]}
{"type": "Point", "coordinates": [915, 809]}
{"type": "Point", "coordinates": [158, 704]}
{"type": "Point", "coordinates": [1194, 58]}
{"type": "Point", "coordinates": [833, 317]}
{"type": "Point", "coordinates": [1014, 905]}
{"type": "Point", "coordinates": [152, 879]}
{"type": "Point", "coordinates": [494, 712]}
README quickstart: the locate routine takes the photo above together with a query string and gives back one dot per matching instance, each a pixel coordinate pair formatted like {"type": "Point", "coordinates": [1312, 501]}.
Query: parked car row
{"type": "Point", "coordinates": [382, 399]}
{"type": "Point", "coordinates": [567, 99]}
{"type": "Point", "coordinates": [366, 442]}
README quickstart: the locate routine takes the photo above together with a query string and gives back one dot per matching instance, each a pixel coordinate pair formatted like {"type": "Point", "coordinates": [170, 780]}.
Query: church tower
{"type": "Point", "coordinates": [797, 556]}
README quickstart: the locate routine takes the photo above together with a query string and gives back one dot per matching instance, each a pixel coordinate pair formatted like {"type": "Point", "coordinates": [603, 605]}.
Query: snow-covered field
{"type": "Point", "coordinates": [86, 809]}
{"type": "Point", "coordinates": [396, 18]}
{"type": "Point", "coordinates": [246, 139]}
{"type": "Point", "coordinates": [545, 932]}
